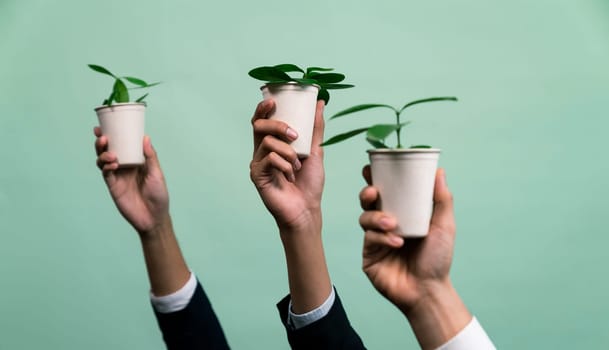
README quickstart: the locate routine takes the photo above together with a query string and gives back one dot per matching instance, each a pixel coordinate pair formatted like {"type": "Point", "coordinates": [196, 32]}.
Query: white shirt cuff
{"type": "Point", "coordinates": [175, 301]}
{"type": "Point", "coordinates": [299, 321]}
{"type": "Point", "coordinates": [472, 337]}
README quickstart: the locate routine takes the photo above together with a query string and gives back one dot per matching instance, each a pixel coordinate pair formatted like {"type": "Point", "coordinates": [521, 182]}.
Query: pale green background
{"type": "Point", "coordinates": [523, 149]}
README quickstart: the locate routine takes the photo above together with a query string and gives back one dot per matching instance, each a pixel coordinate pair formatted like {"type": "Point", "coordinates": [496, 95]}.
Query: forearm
{"type": "Point", "coordinates": [438, 317]}
{"type": "Point", "coordinates": [308, 275]}
{"type": "Point", "coordinates": [167, 270]}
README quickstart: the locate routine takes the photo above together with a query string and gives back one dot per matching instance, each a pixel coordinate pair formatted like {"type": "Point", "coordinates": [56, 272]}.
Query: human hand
{"type": "Point", "coordinates": [414, 274]}
{"type": "Point", "coordinates": [290, 188]}
{"type": "Point", "coordinates": [140, 193]}
{"type": "Point", "coordinates": [406, 271]}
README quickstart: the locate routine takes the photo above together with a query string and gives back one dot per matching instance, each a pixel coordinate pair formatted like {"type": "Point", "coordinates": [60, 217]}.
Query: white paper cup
{"type": "Point", "coordinates": [295, 105]}
{"type": "Point", "coordinates": [405, 179]}
{"type": "Point", "coordinates": [123, 125]}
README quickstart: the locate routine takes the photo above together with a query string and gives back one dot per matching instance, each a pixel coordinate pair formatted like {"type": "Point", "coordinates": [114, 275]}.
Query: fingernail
{"type": "Point", "coordinates": [396, 239]}
{"type": "Point", "coordinates": [291, 134]}
{"type": "Point", "coordinates": [386, 222]}
{"type": "Point", "coordinates": [297, 165]}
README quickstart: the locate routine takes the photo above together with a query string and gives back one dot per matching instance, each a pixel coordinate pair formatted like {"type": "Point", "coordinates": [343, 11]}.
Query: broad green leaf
{"type": "Point", "coordinates": [324, 95]}
{"type": "Point", "coordinates": [420, 146]}
{"type": "Point", "coordinates": [360, 108]}
{"type": "Point", "coordinates": [141, 98]}
{"type": "Point", "coordinates": [305, 81]}
{"type": "Point", "coordinates": [136, 81]}
{"type": "Point", "coordinates": [343, 136]}
{"type": "Point", "coordinates": [380, 132]}
{"type": "Point", "coordinates": [336, 86]}
{"type": "Point", "coordinates": [318, 69]}
{"type": "Point", "coordinates": [101, 69]}
{"type": "Point", "coordinates": [327, 78]}
{"type": "Point", "coordinates": [377, 143]}
{"type": "Point", "coordinates": [270, 74]}
{"type": "Point", "coordinates": [431, 99]}
{"type": "Point", "coordinates": [121, 94]}
{"type": "Point", "coordinates": [289, 68]}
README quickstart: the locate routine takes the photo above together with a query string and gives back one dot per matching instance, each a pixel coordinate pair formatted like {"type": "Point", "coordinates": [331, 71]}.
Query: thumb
{"type": "Point", "coordinates": [318, 128]}
{"type": "Point", "coordinates": [152, 161]}
{"type": "Point", "coordinates": [443, 214]}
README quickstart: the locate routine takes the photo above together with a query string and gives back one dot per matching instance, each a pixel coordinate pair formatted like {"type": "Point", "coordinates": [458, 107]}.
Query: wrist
{"type": "Point", "coordinates": [306, 225]}
{"type": "Point", "coordinates": [438, 315]}
{"type": "Point", "coordinates": [161, 228]}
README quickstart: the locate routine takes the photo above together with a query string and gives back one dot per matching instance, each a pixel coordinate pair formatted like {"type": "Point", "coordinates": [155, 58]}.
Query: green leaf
{"type": "Point", "coordinates": [380, 132]}
{"type": "Point", "coordinates": [121, 94]}
{"type": "Point", "coordinates": [420, 146]}
{"type": "Point", "coordinates": [289, 68]}
{"type": "Point", "coordinates": [343, 136]}
{"type": "Point", "coordinates": [141, 98]}
{"type": "Point", "coordinates": [147, 86]}
{"type": "Point", "coordinates": [360, 108]}
{"type": "Point", "coordinates": [305, 81]}
{"type": "Point", "coordinates": [269, 74]}
{"type": "Point", "coordinates": [101, 69]}
{"type": "Point", "coordinates": [136, 81]}
{"type": "Point", "coordinates": [431, 99]}
{"type": "Point", "coordinates": [109, 100]}
{"type": "Point", "coordinates": [377, 143]}
{"type": "Point", "coordinates": [336, 86]}
{"type": "Point", "coordinates": [324, 95]}
{"type": "Point", "coordinates": [327, 78]}
{"type": "Point", "coordinates": [318, 69]}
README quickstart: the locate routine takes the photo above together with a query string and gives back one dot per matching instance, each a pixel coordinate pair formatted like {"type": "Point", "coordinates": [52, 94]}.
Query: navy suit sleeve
{"type": "Point", "coordinates": [194, 327]}
{"type": "Point", "coordinates": [333, 331]}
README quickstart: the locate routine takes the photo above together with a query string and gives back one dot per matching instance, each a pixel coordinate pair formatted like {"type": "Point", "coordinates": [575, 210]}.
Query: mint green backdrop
{"type": "Point", "coordinates": [523, 148]}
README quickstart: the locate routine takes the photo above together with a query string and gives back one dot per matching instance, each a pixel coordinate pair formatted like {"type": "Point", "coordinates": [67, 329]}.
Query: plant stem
{"type": "Point", "coordinates": [398, 131]}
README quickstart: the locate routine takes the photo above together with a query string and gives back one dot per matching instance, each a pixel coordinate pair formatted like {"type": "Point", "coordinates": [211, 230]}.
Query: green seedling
{"type": "Point", "coordinates": [120, 91]}
{"type": "Point", "coordinates": [376, 134]}
{"type": "Point", "coordinates": [312, 75]}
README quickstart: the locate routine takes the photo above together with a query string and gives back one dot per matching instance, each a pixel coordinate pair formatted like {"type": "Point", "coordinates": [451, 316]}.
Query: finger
{"type": "Point", "coordinates": [109, 167]}
{"type": "Point", "coordinates": [106, 158]}
{"type": "Point", "coordinates": [263, 111]}
{"type": "Point", "coordinates": [443, 214]}
{"type": "Point", "coordinates": [387, 239]}
{"type": "Point", "coordinates": [368, 198]}
{"type": "Point", "coordinates": [272, 162]}
{"type": "Point", "coordinates": [151, 158]}
{"type": "Point", "coordinates": [367, 174]}
{"type": "Point", "coordinates": [97, 131]}
{"type": "Point", "coordinates": [318, 129]}
{"type": "Point", "coordinates": [378, 221]}
{"type": "Point", "coordinates": [276, 128]}
{"type": "Point", "coordinates": [101, 144]}
{"type": "Point", "coordinates": [271, 144]}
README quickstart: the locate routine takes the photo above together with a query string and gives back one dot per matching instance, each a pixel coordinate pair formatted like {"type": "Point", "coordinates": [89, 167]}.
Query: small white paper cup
{"type": "Point", "coordinates": [405, 179]}
{"type": "Point", "coordinates": [295, 105]}
{"type": "Point", "coordinates": [123, 125]}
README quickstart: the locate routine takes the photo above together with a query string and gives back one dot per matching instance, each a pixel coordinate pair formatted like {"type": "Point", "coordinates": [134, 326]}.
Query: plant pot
{"type": "Point", "coordinates": [123, 125]}
{"type": "Point", "coordinates": [405, 179]}
{"type": "Point", "coordinates": [295, 105]}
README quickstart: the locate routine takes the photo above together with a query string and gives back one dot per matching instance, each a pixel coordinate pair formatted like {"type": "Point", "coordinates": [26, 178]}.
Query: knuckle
{"type": "Point", "coordinates": [257, 123]}
{"type": "Point", "coordinates": [268, 141]}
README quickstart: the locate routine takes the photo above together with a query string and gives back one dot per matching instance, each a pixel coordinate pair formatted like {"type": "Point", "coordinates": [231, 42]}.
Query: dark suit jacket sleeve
{"type": "Point", "coordinates": [194, 327]}
{"type": "Point", "coordinates": [333, 331]}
